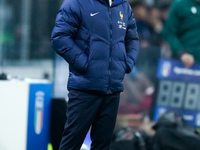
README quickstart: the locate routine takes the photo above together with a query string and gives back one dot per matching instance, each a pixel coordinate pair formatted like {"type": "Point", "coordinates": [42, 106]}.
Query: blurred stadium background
{"type": "Point", "coordinates": [26, 52]}
{"type": "Point", "coordinates": [25, 28]}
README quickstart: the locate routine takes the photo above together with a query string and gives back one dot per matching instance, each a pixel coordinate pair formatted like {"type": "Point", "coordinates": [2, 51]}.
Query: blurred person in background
{"type": "Point", "coordinates": [164, 11]}
{"type": "Point", "coordinates": [156, 25]}
{"type": "Point", "coordinates": [182, 30]}
{"type": "Point", "coordinates": [149, 24]}
{"type": "Point", "coordinates": [140, 13]}
{"type": "Point", "coordinates": [165, 48]}
{"type": "Point", "coordinates": [99, 40]}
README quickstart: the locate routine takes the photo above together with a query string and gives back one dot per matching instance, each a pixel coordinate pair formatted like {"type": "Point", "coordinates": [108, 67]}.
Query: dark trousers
{"type": "Point", "coordinates": [86, 110]}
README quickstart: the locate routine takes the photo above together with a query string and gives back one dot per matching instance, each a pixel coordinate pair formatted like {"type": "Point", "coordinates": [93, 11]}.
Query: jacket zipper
{"type": "Point", "coordinates": [110, 61]}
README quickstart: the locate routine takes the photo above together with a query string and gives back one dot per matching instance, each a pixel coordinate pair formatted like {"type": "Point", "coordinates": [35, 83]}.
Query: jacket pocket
{"type": "Point", "coordinates": [123, 49]}
{"type": "Point", "coordinates": [83, 42]}
{"type": "Point", "coordinates": [83, 38]}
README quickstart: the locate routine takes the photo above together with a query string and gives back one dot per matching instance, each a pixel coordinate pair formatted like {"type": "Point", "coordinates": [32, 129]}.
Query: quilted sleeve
{"type": "Point", "coordinates": [131, 42]}
{"type": "Point", "coordinates": [66, 27]}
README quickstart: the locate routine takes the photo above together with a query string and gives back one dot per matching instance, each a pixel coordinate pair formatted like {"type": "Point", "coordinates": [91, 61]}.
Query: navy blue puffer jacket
{"type": "Point", "coordinates": [99, 42]}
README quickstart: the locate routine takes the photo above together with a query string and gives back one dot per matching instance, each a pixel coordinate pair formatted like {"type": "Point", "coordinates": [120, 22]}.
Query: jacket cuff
{"type": "Point", "coordinates": [129, 65]}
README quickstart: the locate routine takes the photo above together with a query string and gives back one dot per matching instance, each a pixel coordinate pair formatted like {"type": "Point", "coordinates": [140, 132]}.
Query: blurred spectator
{"type": "Point", "coordinates": [182, 31]}
{"type": "Point", "coordinates": [156, 25]}
{"type": "Point", "coordinates": [140, 12]}
{"type": "Point", "coordinates": [149, 24]}
{"type": "Point", "coordinates": [164, 11]}
{"type": "Point", "coordinates": [155, 19]}
{"type": "Point", "coordinates": [165, 48]}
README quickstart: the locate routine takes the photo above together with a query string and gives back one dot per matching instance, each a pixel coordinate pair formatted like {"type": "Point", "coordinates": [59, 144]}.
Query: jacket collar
{"type": "Point", "coordinates": [115, 2]}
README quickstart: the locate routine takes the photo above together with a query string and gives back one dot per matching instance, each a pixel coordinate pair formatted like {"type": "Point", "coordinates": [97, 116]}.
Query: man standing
{"type": "Point", "coordinates": [98, 39]}
{"type": "Point", "coordinates": [182, 30]}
